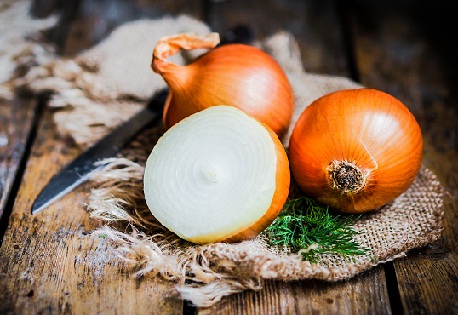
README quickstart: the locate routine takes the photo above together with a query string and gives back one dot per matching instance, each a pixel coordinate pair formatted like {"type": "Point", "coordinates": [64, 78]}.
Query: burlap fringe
{"type": "Point", "coordinates": [155, 250]}
{"type": "Point", "coordinates": [107, 84]}
{"type": "Point", "coordinates": [206, 273]}
{"type": "Point", "coordinates": [19, 47]}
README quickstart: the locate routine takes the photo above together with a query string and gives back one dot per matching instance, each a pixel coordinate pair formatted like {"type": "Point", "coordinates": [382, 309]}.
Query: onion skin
{"type": "Point", "coordinates": [362, 129]}
{"type": "Point", "coordinates": [278, 200]}
{"type": "Point", "coordinates": [234, 74]}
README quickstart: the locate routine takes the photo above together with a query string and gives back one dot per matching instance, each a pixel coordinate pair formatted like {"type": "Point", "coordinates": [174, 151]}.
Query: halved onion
{"type": "Point", "coordinates": [217, 176]}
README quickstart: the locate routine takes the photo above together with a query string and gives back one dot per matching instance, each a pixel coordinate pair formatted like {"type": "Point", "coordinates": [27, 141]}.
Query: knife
{"type": "Point", "coordinates": [86, 164]}
{"type": "Point", "coordinates": [81, 169]}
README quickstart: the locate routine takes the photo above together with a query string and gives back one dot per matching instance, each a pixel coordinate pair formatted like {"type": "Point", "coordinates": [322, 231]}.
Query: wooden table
{"type": "Point", "coordinates": [406, 48]}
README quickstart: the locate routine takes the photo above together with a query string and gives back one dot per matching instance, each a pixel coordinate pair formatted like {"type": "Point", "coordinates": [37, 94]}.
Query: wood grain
{"type": "Point", "coordinates": [51, 263]}
{"type": "Point", "coordinates": [16, 121]}
{"type": "Point", "coordinates": [364, 294]}
{"type": "Point", "coordinates": [398, 53]}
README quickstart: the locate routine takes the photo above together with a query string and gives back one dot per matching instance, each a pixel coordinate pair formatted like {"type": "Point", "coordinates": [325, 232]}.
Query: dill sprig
{"type": "Point", "coordinates": [310, 229]}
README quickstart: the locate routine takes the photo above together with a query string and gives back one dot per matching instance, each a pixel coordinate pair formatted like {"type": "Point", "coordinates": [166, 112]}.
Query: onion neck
{"type": "Point", "coordinates": [346, 177]}
{"type": "Point", "coordinates": [174, 75]}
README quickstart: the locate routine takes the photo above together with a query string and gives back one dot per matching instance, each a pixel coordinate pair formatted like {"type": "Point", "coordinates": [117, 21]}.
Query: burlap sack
{"type": "Point", "coordinates": [106, 84]}
{"type": "Point", "coordinates": [19, 36]}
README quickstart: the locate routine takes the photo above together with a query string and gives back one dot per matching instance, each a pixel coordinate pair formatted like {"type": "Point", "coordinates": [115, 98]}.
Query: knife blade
{"type": "Point", "coordinates": [86, 164]}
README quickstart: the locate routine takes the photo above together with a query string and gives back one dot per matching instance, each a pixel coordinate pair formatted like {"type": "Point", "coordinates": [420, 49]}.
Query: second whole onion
{"type": "Point", "coordinates": [234, 74]}
{"type": "Point", "coordinates": [355, 150]}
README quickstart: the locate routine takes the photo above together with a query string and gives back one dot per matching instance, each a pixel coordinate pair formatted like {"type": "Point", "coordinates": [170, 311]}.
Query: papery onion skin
{"type": "Point", "coordinates": [365, 128]}
{"type": "Point", "coordinates": [234, 74]}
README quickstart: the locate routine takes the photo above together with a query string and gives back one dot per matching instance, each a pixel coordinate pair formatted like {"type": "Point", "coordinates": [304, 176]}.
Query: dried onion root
{"type": "Point", "coordinates": [217, 176]}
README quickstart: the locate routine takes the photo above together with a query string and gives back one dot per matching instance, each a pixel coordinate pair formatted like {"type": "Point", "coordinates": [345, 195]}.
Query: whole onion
{"type": "Point", "coordinates": [234, 74]}
{"type": "Point", "coordinates": [355, 150]}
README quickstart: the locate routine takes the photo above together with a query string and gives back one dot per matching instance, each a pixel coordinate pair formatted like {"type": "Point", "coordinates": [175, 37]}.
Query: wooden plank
{"type": "Point", "coordinates": [50, 263]}
{"type": "Point", "coordinates": [314, 24]}
{"type": "Point", "coordinates": [16, 119]}
{"type": "Point", "coordinates": [316, 28]}
{"type": "Point", "coordinates": [401, 54]}
{"type": "Point", "coordinates": [311, 297]}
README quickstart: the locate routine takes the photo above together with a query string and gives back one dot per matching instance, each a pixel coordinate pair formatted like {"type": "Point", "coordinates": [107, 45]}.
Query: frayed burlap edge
{"type": "Point", "coordinates": [19, 42]}
{"type": "Point", "coordinates": [108, 83]}
{"type": "Point", "coordinates": [205, 273]}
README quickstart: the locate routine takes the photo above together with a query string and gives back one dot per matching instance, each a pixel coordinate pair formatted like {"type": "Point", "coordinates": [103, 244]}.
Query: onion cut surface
{"type": "Point", "coordinates": [217, 176]}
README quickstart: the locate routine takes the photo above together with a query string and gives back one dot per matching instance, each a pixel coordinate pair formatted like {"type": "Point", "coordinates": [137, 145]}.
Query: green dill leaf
{"type": "Point", "coordinates": [306, 227]}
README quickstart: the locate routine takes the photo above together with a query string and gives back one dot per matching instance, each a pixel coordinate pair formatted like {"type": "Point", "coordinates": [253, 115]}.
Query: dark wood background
{"type": "Point", "coordinates": [406, 48]}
